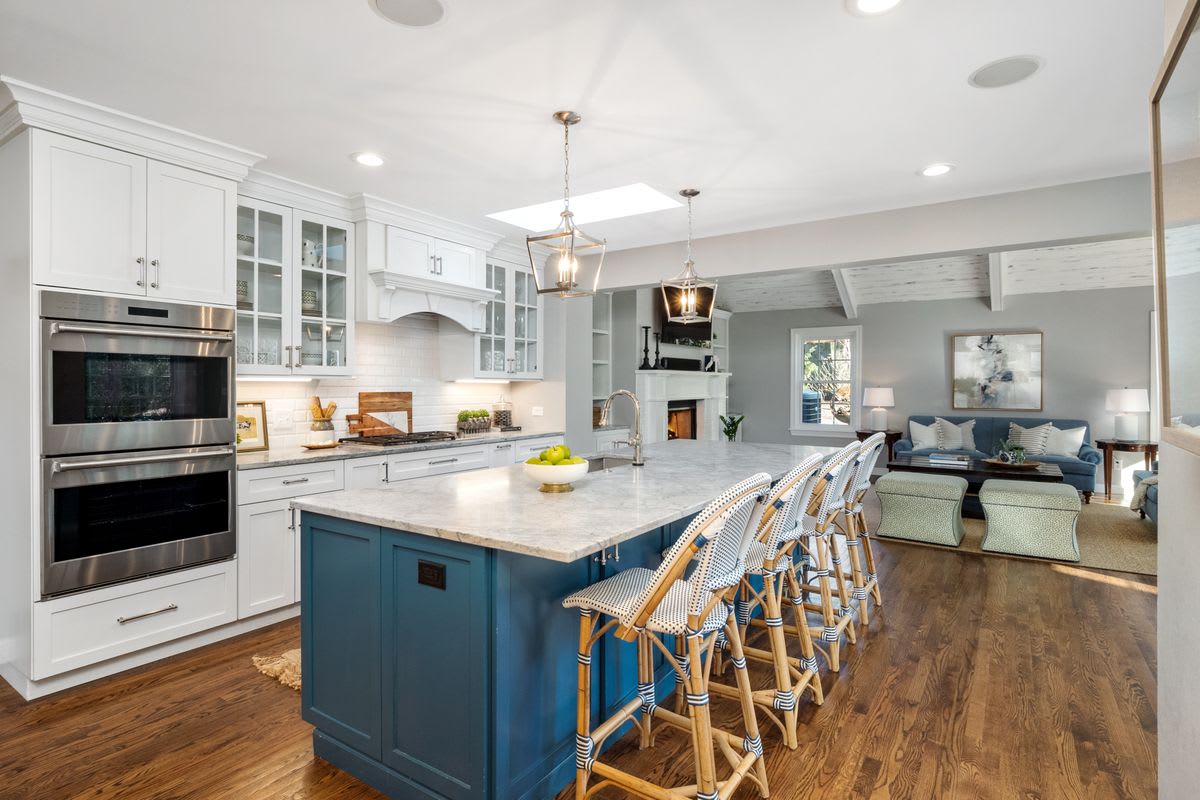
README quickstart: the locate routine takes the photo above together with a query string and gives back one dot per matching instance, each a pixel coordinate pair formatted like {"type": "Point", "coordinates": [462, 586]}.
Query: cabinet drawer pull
{"type": "Point", "coordinates": [503, 446]}
{"type": "Point", "coordinates": [443, 461]}
{"type": "Point", "coordinates": [295, 481]}
{"type": "Point", "coordinates": [157, 274]}
{"type": "Point", "coordinates": [123, 620]}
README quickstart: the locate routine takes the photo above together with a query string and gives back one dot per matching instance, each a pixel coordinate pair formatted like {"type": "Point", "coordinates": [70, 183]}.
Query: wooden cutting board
{"type": "Point", "coordinates": [364, 424]}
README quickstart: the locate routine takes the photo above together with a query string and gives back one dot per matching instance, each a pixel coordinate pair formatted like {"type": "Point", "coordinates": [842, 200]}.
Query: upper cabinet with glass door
{"type": "Point", "coordinates": [510, 345]}
{"type": "Point", "coordinates": [293, 292]}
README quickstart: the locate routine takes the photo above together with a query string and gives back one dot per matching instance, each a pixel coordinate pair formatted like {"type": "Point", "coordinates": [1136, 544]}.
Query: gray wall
{"type": "Point", "coordinates": [1094, 341]}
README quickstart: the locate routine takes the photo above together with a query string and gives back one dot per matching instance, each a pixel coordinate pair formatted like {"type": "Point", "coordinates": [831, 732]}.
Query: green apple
{"type": "Point", "coordinates": [534, 460]}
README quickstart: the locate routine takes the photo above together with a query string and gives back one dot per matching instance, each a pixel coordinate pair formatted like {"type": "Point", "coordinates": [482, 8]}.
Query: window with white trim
{"type": "Point", "coordinates": [826, 379]}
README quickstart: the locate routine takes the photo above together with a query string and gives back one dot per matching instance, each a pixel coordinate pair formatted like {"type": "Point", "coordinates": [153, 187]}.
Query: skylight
{"type": "Point", "coordinates": [623, 201]}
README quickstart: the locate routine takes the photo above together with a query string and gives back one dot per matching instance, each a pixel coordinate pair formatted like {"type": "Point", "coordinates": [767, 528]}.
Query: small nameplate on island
{"type": "Point", "coordinates": [431, 574]}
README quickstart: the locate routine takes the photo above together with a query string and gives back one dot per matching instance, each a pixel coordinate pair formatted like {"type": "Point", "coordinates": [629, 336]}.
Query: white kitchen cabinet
{"type": "Point", "coordinates": [267, 542]}
{"type": "Point", "coordinates": [423, 256]}
{"type": "Point", "coordinates": [442, 461]}
{"type": "Point", "coordinates": [527, 448]}
{"type": "Point", "coordinates": [190, 235]}
{"type": "Point", "coordinates": [294, 291]}
{"type": "Point", "coordinates": [510, 345]}
{"type": "Point", "coordinates": [456, 263]}
{"type": "Point", "coordinates": [366, 473]}
{"type": "Point", "coordinates": [502, 454]}
{"type": "Point", "coordinates": [110, 221]}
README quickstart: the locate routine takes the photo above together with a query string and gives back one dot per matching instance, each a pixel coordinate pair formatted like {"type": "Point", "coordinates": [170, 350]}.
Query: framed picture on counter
{"type": "Point", "coordinates": [251, 426]}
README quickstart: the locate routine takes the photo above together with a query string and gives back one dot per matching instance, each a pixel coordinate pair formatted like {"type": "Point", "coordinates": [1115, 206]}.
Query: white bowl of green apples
{"type": "Point", "coordinates": [556, 469]}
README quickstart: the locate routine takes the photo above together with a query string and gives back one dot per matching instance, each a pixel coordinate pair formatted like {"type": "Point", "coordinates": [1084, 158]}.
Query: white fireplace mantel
{"type": "Point", "coordinates": [657, 388]}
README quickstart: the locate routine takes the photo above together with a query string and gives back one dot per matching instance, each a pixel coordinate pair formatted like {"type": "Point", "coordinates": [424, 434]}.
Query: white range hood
{"type": "Point", "coordinates": [412, 263]}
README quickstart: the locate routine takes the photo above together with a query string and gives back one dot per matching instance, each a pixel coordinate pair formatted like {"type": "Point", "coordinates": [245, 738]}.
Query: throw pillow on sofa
{"type": "Point", "coordinates": [924, 437]}
{"type": "Point", "coordinates": [952, 436]}
{"type": "Point", "coordinates": [1061, 442]}
{"type": "Point", "coordinates": [1032, 439]}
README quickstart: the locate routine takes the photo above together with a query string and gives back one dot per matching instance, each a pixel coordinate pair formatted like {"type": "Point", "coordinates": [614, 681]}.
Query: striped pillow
{"type": "Point", "coordinates": [955, 436]}
{"type": "Point", "coordinates": [1032, 439]}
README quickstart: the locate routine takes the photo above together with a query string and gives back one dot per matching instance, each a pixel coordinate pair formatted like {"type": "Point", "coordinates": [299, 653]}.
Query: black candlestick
{"type": "Point", "coordinates": [646, 348]}
{"type": "Point", "coordinates": [657, 358]}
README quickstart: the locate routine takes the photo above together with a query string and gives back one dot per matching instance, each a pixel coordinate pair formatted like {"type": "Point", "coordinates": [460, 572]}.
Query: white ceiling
{"type": "Point", "coordinates": [1099, 265]}
{"type": "Point", "coordinates": [780, 111]}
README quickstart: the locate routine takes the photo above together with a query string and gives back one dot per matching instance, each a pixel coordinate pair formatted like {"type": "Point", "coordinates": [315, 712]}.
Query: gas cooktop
{"type": "Point", "coordinates": [393, 439]}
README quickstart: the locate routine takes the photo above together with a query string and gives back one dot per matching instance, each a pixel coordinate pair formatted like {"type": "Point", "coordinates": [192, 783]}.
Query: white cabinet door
{"type": "Point", "coordinates": [410, 253]}
{"type": "Point", "coordinates": [89, 216]}
{"type": "Point", "coordinates": [502, 454]}
{"type": "Point", "coordinates": [191, 236]}
{"type": "Point", "coordinates": [266, 557]}
{"type": "Point", "coordinates": [366, 473]}
{"type": "Point", "coordinates": [456, 263]}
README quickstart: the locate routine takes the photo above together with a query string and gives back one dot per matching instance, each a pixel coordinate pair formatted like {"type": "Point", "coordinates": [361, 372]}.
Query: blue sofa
{"type": "Point", "coordinates": [1079, 471]}
{"type": "Point", "coordinates": [1151, 508]}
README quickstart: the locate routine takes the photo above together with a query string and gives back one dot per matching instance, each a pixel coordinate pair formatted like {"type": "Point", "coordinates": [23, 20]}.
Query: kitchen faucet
{"type": "Point", "coordinates": [635, 438]}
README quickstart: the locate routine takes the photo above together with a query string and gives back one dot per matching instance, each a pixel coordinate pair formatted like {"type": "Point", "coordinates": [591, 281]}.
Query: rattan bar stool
{"type": "Point", "coordinates": [787, 501]}
{"type": "Point", "coordinates": [645, 605]}
{"type": "Point", "coordinates": [820, 559]}
{"type": "Point", "coordinates": [852, 523]}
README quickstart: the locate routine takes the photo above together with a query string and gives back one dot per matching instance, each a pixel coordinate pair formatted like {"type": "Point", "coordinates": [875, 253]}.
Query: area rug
{"type": "Point", "coordinates": [1110, 537]}
{"type": "Point", "coordinates": [284, 668]}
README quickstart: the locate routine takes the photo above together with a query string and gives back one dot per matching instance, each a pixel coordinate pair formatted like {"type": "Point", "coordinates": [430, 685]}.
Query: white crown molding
{"type": "Point", "coordinates": [365, 207]}
{"type": "Point", "coordinates": [511, 253]}
{"type": "Point", "coordinates": [35, 107]}
{"type": "Point", "coordinates": [393, 281]}
{"type": "Point", "coordinates": [286, 192]}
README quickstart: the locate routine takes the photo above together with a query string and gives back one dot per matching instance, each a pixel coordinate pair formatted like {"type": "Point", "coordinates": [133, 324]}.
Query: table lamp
{"type": "Point", "coordinates": [880, 399]}
{"type": "Point", "coordinates": [1128, 403]}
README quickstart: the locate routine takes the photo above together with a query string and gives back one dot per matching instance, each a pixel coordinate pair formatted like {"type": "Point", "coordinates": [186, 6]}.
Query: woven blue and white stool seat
{"type": "Point", "coordinates": [620, 595]}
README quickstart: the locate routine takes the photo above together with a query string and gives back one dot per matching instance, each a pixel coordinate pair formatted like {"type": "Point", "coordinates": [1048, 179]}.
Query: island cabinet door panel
{"type": "Point", "coordinates": [436, 664]}
{"type": "Point", "coordinates": [620, 674]}
{"type": "Point", "coordinates": [340, 631]}
{"type": "Point", "coordinates": [534, 649]}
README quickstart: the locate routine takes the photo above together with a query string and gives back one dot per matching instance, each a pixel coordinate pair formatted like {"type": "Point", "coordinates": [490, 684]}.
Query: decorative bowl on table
{"type": "Point", "coordinates": [556, 477]}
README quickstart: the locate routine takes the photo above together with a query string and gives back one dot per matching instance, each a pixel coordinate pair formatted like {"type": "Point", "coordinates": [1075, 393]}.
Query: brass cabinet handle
{"type": "Point", "coordinates": [124, 620]}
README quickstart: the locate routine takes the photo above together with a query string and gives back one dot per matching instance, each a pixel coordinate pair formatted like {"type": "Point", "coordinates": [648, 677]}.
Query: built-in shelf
{"type": "Point", "coordinates": [602, 323]}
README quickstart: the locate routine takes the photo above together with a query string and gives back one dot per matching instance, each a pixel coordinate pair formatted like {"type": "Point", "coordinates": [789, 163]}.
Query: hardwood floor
{"type": "Point", "coordinates": [982, 677]}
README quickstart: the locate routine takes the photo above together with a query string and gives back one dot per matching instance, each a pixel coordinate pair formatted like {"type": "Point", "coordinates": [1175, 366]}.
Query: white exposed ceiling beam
{"type": "Point", "coordinates": [996, 279]}
{"type": "Point", "coordinates": [846, 293]}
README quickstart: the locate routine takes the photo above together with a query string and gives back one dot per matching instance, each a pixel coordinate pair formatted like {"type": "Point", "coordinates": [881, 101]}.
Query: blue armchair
{"type": "Point", "coordinates": [1150, 509]}
{"type": "Point", "coordinates": [1078, 470]}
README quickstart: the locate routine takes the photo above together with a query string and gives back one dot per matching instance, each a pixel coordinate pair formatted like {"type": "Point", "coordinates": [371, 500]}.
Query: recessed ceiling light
{"type": "Point", "coordinates": [935, 170]}
{"type": "Point", "coordinates": [1005, 72]}
{"type": "Point", "coordinates": [870, 8]}
{"type": "Point", "coordinates": [410, 13]}
{"type": "Point", "coordinates": [624, 201]}
{"type": "Point", "coordinates": [368, 159]}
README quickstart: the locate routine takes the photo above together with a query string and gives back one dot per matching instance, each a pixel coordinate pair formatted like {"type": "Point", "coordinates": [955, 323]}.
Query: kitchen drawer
{"type": "Point", "coordinates": [526, 448]}
{"type": "Point", "coordinates": [83, 629]}
{"type": "Point", "coordinates": [276, 483]}
{"type": "Point", "coordinates": [437, 462]}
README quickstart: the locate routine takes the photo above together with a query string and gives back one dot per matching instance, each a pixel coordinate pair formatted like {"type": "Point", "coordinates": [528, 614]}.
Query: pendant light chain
{"type": "Point", "coordinates": [689, 247]}
{"type": "Point", "coordinates": [566, 166]}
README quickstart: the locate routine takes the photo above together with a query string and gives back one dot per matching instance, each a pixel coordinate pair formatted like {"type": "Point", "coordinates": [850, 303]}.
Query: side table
{"type": "Point", "coordinates": [1109, 446]}
{"type": "Point", "coordinates": [890, 438]}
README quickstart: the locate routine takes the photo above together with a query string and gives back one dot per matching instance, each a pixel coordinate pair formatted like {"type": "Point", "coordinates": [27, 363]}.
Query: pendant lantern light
{"type": "Point", "coordinates": [688, 297]}
{"type": "Point", "coordinates": [566, 261]}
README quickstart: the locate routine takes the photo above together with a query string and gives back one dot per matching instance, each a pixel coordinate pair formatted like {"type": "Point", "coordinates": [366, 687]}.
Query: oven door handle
{"type": "Point", "coordinates": [153, 333]}
{"type": "Point", "coordinates": [68, 466]}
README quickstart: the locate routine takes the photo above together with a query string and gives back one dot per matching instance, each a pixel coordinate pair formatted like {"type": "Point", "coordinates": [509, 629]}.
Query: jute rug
{"type": "Point", "coordinates": [284, 668]}
{"type": "Point", "coordinates": [1110, 537]}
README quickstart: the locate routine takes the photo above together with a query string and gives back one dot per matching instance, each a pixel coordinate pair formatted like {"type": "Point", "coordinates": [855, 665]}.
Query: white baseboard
{"type": "Point", "coordinates": [31, 690]}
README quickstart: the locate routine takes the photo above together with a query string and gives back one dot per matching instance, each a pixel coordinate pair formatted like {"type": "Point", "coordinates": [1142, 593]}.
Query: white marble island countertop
{"type": "Point", "coordinates": [502, 508]}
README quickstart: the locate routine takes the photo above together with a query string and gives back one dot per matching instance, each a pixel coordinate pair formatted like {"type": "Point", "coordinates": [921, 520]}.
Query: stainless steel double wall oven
{"type": "Point", "coordinates": [138, 462]}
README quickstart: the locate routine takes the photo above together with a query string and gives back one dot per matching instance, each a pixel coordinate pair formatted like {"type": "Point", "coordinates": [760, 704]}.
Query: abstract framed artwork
{"type": "Point", "coordinates": [999, 371]}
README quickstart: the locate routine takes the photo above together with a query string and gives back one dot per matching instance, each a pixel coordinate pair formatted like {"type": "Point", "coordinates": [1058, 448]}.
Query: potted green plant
{"type": "Point", "coordinates": [474, 421]}
{"type": "Point", "coordinates": [730, 425]}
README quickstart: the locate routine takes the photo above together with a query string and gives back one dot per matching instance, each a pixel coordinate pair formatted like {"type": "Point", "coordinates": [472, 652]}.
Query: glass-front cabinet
{"type": "Point", "coordinates": [294, 292]}
{"type": "Point", "coordinates": [510, 345]}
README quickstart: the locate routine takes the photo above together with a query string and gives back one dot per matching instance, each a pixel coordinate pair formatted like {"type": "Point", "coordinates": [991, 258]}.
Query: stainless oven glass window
{"type": "Point", "coordinates": [95, 519]}
{"type": "Point", "coordinates": [91, 387]}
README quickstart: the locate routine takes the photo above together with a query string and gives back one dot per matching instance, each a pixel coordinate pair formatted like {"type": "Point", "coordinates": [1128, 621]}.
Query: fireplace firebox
{"type": "Point", "coordinates": [681, 420]}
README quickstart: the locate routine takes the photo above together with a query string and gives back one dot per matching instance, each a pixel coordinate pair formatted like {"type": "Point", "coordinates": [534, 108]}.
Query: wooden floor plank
{"type": "Point", "coordinates": [981, 677]}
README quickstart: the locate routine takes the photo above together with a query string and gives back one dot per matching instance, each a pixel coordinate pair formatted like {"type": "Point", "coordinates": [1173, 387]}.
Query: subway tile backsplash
{"type": "Point", "coordinates": [391, 357]}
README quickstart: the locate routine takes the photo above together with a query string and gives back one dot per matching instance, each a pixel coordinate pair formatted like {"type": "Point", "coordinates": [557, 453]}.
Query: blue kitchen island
{"type": "Point", "coordinates": [437, 659]}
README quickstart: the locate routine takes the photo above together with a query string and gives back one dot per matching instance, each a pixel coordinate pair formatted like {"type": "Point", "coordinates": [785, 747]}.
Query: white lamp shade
{"type": "Point", "coordinates": [1127, 401]}
{"type": "Point", "coordinates": [879, 397]}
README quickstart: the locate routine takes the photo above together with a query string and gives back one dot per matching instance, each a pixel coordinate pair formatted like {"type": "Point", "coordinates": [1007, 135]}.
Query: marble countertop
{"type": "Point", "coordinates": [502, 508]}
{"type": "Point", "coordinates": [298, 455]}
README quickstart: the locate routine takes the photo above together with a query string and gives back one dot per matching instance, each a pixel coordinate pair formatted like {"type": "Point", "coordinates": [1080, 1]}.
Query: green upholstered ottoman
{"type": "Point", "coordinates": [921, 507]}
{"type": "Point", "coordinates": [1031, 519]}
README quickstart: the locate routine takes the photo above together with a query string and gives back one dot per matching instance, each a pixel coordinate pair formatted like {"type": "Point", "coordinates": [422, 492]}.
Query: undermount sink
{"type": "Point", "coordinates": [598, 463]}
